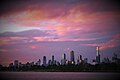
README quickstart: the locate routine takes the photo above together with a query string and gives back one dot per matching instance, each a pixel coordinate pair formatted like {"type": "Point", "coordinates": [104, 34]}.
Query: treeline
{"type": "Point", "coordinates": [103, 67]}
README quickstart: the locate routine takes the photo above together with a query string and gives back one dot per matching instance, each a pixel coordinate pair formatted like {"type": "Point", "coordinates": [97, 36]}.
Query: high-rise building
{"type": "Point", "coordinates": [115, 58]}
{"type": "Point", "coordinates": [16, 63]}
{"type": "Point", "coordinates": [32, 63]}
{"type": "Point", "coordinates": [49, 62]}
{"type": "Point", "coordinates": [11, 65]}
{"type": "Point", "coordinates": [44, 60]}
{"type": "Point", "coordinates": [53, 60]}
{"type": "Point", "coordinates": [38, 62]}
{"type": "Point", "coordinates": [57, 63]}
{"type": "Point", "coordinates": [67, 62]}
{"type": "Point", "coordinates": [63, 61]}
{"type": "Point", "coordinates": [97, 56]}
{"type": "Point", "coordinates": [64, 56]}
{"type": "Point", "coordinates": [52, 57]}
{"type": "Point", "coordinates": [93, 62]}
{"type": "Point", "coordinates": [72, 57]}
{"type": "Point", "coordinates": [106, 60]}
{"type": "Point", "coordinates": [79, 61]}
{"type": "Point", "coordinates": [85, 60]}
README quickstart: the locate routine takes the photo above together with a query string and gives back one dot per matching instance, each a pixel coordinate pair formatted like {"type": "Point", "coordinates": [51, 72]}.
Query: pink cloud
{"type": "Point", "coordinates": [110, 44]}
{"type": "Point", "coordinates": [74, 22]}
{"type": "Point", "coordinates": [10, 40]}
{"type": "Point", "coordinates": [74, 39]}
{"type": "Point", "coordinates": [3, 42]}
{"type": "Point", "coordinates": [34, 47]}
{"type": "Point", "coordinates": [40, 38]}
{"type": "Point", "coordinates": [77, 20]}
{"type": "Point", "coordinates": [114, 42]}
{"type": "Point", "coordinates": [52, 38]}
{"type": "Point", "coordinates": [17, 38]}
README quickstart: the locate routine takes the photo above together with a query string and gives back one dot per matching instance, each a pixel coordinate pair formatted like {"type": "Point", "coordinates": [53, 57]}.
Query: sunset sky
{"type": "Point", "coordinates": [31, 29]}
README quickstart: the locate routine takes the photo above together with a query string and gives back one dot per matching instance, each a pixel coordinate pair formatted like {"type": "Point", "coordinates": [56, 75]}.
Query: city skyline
{"type": "Point", "coordinates": [79, 60]}
{"type": "Point", "coordinates": [66, 65]}
{"type": "Point", "coordinates": [31, 29]}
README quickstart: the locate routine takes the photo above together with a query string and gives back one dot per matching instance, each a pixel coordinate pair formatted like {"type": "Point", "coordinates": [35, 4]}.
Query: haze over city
{"type": "Point", "coordinates": [31, 29]}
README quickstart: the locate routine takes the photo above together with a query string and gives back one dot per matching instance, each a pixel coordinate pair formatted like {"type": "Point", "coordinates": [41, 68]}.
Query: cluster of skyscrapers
{"type": "Point", "coordinates": [64, 60]}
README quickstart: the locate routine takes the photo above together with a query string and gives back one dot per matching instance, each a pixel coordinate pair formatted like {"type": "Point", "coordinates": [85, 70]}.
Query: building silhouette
{"type": "Point", "coordinates": [97, 55]}
{"type": "Point", "coordinates": [79, 61]}
{"type": "Point", "coordinates": [106, 60]}
{"type": "Point", "coordinates": [72, 59]}
{"type": "Point", "coordinates": [63, 60]}
{"type": "Point", "coordinates": [16, 63]}
{"type": "Point", "coordinates": [38, 62]}
{"type": "Point", "coordinates": [115, 58]}
{"type": "Point", "coordinates": [49, 62]}
{"type": "Point", "coordinates": [53, 60]}
{"type": "Point", "coordinates": [85, 60]}
{"type": "Point", "coordinates": [52, 57]}
{"type": "Point", "coordinates": [44, 61]}
{"type": "Point", "coordinates": [67, 62]}
{"type": "Point", "coordinates": [64, 56]}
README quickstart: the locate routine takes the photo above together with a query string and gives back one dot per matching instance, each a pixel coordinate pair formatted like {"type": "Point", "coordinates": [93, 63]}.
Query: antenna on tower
{"type": "Point", "coordinates": [97, 56]}
{"type": "Point", "coordinates": [97, 49]}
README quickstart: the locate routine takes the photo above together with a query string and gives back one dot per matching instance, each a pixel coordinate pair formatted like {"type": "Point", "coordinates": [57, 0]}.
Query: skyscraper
{"type": "Point", "coordinates": [97, 56]}
{"type": "Point", "coordinates": [85, 60]}
{"type": "Point", "coordinates": [16, 63]}
{"type": "Point", "coordinates": [38, 62]}
{"type": "Point", "coordinates": [52, 57]}
{"type": "Point", "coordinates": [64, 56]}
{"type": "Point", "coordinates": [44, 60]}
{"type": "Point", "coordinates": [53, 60]}
{"type": "Point", "coordinates": [63, 61]}
{"type": "Point", "coordinates": [79, 61]}
{"type": "Point", "coordinates": [114, 58]}
{"type": "Point", "coordinates": [49, 62]}
{"type": "Point", "coordinates": [72, 57]}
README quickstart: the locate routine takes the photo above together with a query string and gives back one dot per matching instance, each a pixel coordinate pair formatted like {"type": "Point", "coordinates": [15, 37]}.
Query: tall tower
{"type": "Point", "coordinates": [44, 60]}
{"type": "Point", "coordinates": [16, 63]}
{"type": "Point", "coordinates": [63, 61]}
{"type": "Point", "coordinates": [97, 55]}
{"type": "Point", "coordinates": [53, 60]}
{"type": "Point", "coordinates": [52, 57]}
{"type": "Point", "coordinates": [38, 62]}
{"type": "Point", "coordinates": [64, 56]}
{"type": "Point", "coordinates": [97, 49]}
{"type": "Point", "coordinates": [72, 57]}
{"type": "Point", "coordinates": [79, 59]}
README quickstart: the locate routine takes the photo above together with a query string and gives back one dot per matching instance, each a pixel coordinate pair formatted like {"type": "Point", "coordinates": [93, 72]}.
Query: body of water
{"type": "Point", "coordinates": [58, 76]}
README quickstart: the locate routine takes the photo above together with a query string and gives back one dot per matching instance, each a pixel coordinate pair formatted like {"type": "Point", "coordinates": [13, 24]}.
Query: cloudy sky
{"type": "Point", "coordinates": [31, 29]}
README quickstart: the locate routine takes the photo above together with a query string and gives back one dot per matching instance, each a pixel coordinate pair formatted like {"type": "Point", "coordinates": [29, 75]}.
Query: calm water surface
{"type": "Point", "coordinates": [58, 76]}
